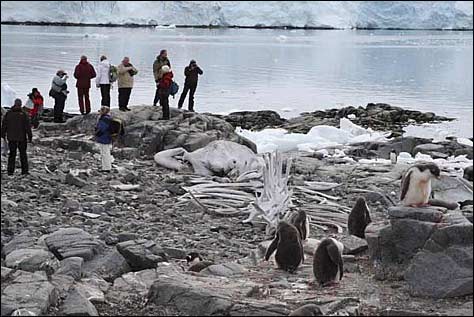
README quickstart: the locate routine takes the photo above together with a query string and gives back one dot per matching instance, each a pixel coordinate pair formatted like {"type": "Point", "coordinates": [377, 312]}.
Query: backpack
{"type": "Point", "coordinates": [116, 127]}
{"type": "Point", "coordinates": [174, 88]}
{"type": "Point", "coordinates": [113, 74]}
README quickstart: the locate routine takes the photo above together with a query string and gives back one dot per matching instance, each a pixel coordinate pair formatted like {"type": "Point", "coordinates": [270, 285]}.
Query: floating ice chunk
{"type": "Point", "coordinates": [282, 38]}
{"type": "Point", "coordinates": [166, 27]}
{"type": "Point", "coordinates": [8, 95]}
{"type": "Point", "coordinates": [287, 109]}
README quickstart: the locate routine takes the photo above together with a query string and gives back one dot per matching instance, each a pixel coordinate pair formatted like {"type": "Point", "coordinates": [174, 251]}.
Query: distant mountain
{"type": "Point", "coordinates": [334, 14]}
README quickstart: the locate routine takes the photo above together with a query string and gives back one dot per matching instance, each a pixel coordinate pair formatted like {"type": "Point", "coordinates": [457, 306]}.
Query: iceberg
{"type": "Point", "coordinates": [318, 138]}
{"type": "Point", "coordinates": [8, 95]}
{"type": "Point", "coordinates": [318, 14]}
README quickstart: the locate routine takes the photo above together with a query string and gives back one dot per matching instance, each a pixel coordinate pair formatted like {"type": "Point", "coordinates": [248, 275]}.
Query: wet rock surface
{"type": "Point", "coordinates": [84, 227]}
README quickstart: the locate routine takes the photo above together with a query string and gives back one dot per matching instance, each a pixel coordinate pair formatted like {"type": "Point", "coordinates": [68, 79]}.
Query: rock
{"type": "Point", "coordinates": [72, 242]}
{"type": "Point", "coordinates": [139, 255]}
{"type": "Point", "coordinates": [125, 187]}
{"type": "Point", "coordinates": [402, 312]}
{"type": "Point", "coordinates": [421, 214]}
{"type": "Point", "coordinates": [255, 120]}
{"type": "Point", "coordinates": [441, 274]}
{"type": "Point", "coordinates": [22, 241]}
{"type": "Point", "coordinates": [6, 273]}
{"type": "Point", "coordinates": [75, 180]}
{"type": "Point", "coordinates": [307, 310]}
{"type": "Point", "coordinates": [23, 312]}
{"type": "Point", "coordinates": [468, 173]}
{"type": "Point", "coordinates": [175, 253]}
{"type": "Point", "coordinates": [72, 205]}
{"type": "Point", "coordinates": [62, 284]}
{"type": "Point", "coordinates": [29, 291]}
{"type": "Point", "coordinates": [191, 295]}
{"type": "Point", "coordinates": [93, 289]}
{"type": "Point", "coordinates": [197, 141]}
{"type": "Point", "coordinates": [451, 189]}
{"type": "Point", "coordinates": [31, 260]}
{"type": "Point", "coordinates": [109, 266]}
{"type": "Point", "coordinates": [353, 244]}
{"type": "Point", "coordinates": [71, 266]}
{"type": "Point", "coordinates": [77, 305]}
{"type": "Point", "coordinates": [126, 236]}
{"type": "Point", "coordinates": [226, 269]}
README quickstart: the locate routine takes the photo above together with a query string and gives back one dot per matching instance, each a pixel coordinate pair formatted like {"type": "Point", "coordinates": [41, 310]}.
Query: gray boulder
{"type": "Point", "coordinates": [468, 173]}
{"type": "Point", "coordinates": [31, 260]}
{"type": "Point", "coordinates": [30, 291]}
{"type": "Point", "coordinates": [141, 254]}
{"type": "Point", "coordinates": [353, 244]}
{"type": "Point", "coordinates": [72, 267]}
{"type": "Point", "coordinates": [427, 148]}
{"type": "Point", "coordinates": [226, 269]}
{"type": "Point", "coordinates": [22, 241]}
{"type": "Point", "coordinates": [73, 242]}
{"type": "Point", "coordinates": [76, 304]}
{"type": "Point", "coordinates": [109, 266]}
{"type": "Point", "coordinates": [75, 180]}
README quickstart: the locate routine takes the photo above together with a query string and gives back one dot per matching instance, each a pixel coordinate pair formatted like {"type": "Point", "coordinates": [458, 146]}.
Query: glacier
{"type": "Point", "coordinates": [315, 14]}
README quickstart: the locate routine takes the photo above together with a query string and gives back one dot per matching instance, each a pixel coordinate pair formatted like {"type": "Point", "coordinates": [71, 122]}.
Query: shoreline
{"type": "Point", "coordinates": [256, 27]}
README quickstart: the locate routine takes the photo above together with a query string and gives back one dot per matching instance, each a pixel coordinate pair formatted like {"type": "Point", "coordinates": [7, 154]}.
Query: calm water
{"type": "Point", "coordinates": [287, 71]}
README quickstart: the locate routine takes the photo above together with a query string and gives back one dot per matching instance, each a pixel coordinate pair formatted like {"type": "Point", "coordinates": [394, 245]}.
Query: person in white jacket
{"type": "Point", "coordinates": [103, 80]}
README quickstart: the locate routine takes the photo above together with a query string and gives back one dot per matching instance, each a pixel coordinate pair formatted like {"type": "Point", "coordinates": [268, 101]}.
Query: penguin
{"type": "Point", "coordinates": [393, 156]}
{"type": "Point", "coordinates": [416, 184]}
{"type": "Point", "coordinates": [327, 262]}
{"type": "Point", "coordinates": [307, 310]}
{"type": "Point", "coordinates": [197, 264]}
{"type": "Point", "coordinates": [289, 249]}
{"type": "Point", "coordinates": [300, 220]}
{"type": "Point", "coordinates": [359, 218]}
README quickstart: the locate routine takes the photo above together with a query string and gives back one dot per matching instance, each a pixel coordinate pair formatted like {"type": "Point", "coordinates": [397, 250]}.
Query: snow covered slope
{"type": "Point", "coordinates": [337, 14]}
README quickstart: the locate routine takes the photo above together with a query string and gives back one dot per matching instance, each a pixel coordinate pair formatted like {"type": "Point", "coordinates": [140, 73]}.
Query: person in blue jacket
{"type": "Point", "coordinates": [104, 138]}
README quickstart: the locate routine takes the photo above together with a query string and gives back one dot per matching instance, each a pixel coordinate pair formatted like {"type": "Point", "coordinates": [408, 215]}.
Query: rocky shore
{"type": "Point", "coordinates": [79, 242]}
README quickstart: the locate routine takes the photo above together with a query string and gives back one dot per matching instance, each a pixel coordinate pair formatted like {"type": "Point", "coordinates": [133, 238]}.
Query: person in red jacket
{"type": "Point", "coordinates": [84, 72]}
{"type": "Point", "coordinates": [36, 100]}
{"type": "Point", "coordinates": [164, 90]}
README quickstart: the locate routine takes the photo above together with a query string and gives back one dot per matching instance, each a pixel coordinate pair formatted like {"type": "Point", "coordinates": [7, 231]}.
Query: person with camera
{"type": "Point", "coordinates": [16, 130]}
{"type": "Point", "coordinates": [164, 87]}
{"type": "Point", "coordinates": [35, 106]}
{"type": "Point", "coordinates": [191, 73]}
{"type": "Point", "coordinates": [103, 80]}
{"type": "Point", "coordinates": [84, 72]}
{"type": "Point", "coordinates": [125, 71]}
{"type": "Point", "coordinates": [161, 60]}
{"type": "Point", "coordinates": [59, 93]}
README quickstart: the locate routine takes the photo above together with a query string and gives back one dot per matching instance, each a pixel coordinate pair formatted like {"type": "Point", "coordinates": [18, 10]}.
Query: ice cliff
{"type": "Point", "coordinates": [334, 14]}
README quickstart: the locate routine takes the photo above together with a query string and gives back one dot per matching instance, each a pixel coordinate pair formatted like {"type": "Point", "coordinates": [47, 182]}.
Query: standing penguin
{"type": "Point", "coordinates": [359, 218]}
{"type": "Point", "coordinates": [299, 219]}
{"type": "Point", "coordinates": [327, 261]}
{"type": "Point", "coordinates": [416, 184]}
{"type": "Point", "coordinates": [289, 249]}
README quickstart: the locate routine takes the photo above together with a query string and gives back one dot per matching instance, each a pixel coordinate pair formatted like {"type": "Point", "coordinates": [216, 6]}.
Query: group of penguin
{"type": "Point", "coordinates": [328, 263]}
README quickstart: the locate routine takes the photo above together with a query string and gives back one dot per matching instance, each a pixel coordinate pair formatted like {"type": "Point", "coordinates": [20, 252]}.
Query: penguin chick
{"type": "Point", "coordinates": [197, 264]}
{"type": "Point", "coordinates": [289, 249]}
{"type": "Point", "coordinates": [327, 262]}
{"type": "Point", "coordinates": [359, 218]}
{"type": "Point", "coordinates": [416, 184]}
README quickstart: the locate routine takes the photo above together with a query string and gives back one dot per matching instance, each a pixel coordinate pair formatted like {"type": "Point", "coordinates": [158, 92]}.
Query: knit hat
{"type": "Point", "coordinates": [165, 69]}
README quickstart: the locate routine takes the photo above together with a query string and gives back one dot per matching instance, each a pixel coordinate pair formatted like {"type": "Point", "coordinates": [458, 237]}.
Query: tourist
{"type": "Point", "coordinates": [161, 60]}
{"type": "Point", "coordinates": [59, 93]}
{"type": "Point", "coordinates": [35, 106]}
{"type": "Point", "coordinates": [103, 80]}
{"type": "Point", "coordinates": [84, 72]}
{"type": "Point", "coordinates": [164, 90]}
{"type": "Point", "coordinates": [126, 71]}
{"type": "Point", "coordinates": [104, 138]}
{"type": "Point", "coordinates": [16, 130]}
{"type": "Point", "coordinates": [191, 73]}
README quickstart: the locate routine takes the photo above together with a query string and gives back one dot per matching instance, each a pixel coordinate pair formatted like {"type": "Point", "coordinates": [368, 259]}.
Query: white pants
{"type": "Point", "coordinates": [105, 156]}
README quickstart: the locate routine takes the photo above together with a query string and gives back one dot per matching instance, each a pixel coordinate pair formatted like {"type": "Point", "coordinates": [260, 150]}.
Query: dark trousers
{"type": "Point", "coordinates": [192, 90]}
{"type": "Point", "coordinates": [105, 93]}
{"type": "Point", "coordinates": [165, 106]}
{"type": "Point", "coordinates": [157, 96]}
{"type": "Point", "coordinates": [83, 95]}
{"type": "Point", "coordinates": [59, 102]}
{"type": "Point", "coordinates": [21, 146]}
{"type": "Point", "coordinates": [124, 97]}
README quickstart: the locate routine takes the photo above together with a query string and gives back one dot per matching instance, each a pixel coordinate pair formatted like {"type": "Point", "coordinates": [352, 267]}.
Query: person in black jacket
{"type": "Point", "coordinates": [190, 84]}
{"type": "Point", "coordinates": [16, 129]}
